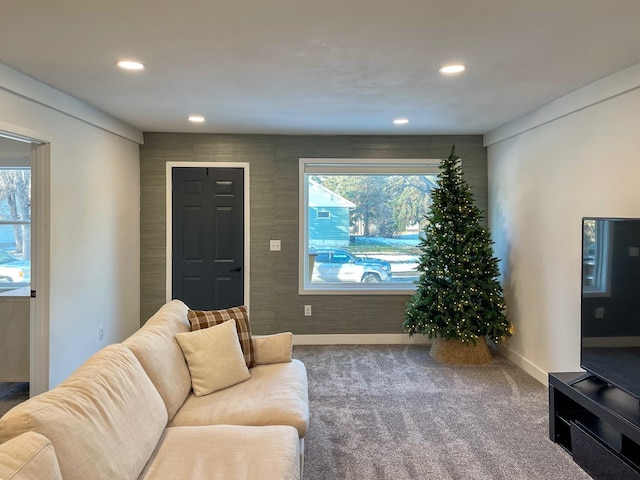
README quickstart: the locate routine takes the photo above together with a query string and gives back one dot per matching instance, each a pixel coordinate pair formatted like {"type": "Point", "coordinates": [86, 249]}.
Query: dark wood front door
{"type": "Point", "coordinates": [208, 237]}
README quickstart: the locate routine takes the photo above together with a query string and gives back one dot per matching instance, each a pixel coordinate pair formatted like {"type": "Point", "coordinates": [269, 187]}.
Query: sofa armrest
{"type": "Point", "coordinates": [275, 348]}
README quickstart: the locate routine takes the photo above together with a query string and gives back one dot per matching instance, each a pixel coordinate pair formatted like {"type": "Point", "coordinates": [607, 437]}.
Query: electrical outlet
{"type": "Point", "coordinates": [100, 332]}
{"type": "Point", "coordinates": [599, 312]}
{"type": "Point", "coordinates": [275, 245]}
{"type": "Point", "coordinates": [307, 310]}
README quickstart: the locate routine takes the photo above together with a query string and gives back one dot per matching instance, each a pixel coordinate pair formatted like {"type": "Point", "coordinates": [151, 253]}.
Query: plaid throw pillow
{"type": "Point", "coordinates": [200, 319]}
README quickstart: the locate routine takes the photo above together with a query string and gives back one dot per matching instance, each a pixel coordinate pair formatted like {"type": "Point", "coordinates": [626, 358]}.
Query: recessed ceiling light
{"type": "Point", "coordinates": [130, 65]}
{"type": "Point", "coordinates": [196, 118]}
{"type": "Point", "coordinates": [401, 121]}
{"type": "Point", "coordinates": [453, 68]}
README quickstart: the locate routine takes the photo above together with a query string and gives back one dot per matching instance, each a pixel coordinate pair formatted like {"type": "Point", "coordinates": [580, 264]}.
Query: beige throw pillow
{"type": "Point", "coordinates": [273, 348]}
{"type": "Point", "coordinates": [214, 358]}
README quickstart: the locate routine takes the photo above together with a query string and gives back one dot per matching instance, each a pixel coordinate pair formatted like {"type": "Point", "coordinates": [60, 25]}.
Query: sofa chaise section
{"type": "Point", "coordinates": [226, 452]}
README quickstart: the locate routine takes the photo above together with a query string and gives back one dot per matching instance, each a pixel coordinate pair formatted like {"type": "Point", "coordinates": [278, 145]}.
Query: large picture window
{"type": "Point", "coordinates": [361, 222]}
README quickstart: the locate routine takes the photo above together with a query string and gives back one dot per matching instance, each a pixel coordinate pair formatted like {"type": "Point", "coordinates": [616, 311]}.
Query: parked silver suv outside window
{"type": "Point", "coordinates": [337, 265]}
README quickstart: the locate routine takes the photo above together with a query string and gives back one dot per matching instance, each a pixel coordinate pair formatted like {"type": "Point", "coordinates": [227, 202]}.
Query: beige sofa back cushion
{"type": "Point", "coordinates": [29, 456]}
{"type": "Point", "coordinates": [104, 421]}
{"type": "Point", "coordinates": [276, 348]}
{"type": "Point", "coordinates": [155, 347]}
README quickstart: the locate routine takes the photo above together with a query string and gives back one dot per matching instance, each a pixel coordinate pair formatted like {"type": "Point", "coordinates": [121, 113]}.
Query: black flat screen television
{"type": "Point", "coordinates": [610, 306]}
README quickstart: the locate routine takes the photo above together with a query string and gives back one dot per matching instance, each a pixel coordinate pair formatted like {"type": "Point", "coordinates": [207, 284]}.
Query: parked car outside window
{"type": "Point", "coordinates": [337, 265]}
{"type": "Point", "coordinates": [12, 269]}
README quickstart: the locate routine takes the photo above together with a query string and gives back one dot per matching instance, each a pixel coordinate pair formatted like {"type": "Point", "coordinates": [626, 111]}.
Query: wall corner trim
{"type": "Point", "coordinates": [599, 91]}
{"type": "Point", "coordinates": [31, 89]}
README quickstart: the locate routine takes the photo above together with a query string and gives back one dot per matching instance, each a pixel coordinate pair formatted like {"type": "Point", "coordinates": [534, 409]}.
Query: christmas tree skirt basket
{"type": "Point", "coordinates": [454, 352]}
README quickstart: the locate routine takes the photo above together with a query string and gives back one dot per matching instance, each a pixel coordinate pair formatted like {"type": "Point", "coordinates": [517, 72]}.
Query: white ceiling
{"type": "Point", "coordinates": [319, 66]}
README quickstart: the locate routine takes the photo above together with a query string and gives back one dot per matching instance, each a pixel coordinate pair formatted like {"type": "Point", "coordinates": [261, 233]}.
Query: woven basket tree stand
{"type": "Point", "coordinates": [454, 352]}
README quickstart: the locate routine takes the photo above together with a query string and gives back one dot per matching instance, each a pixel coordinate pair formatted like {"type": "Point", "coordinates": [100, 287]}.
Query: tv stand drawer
{"type": "Point", "coordinates": [597, 459]}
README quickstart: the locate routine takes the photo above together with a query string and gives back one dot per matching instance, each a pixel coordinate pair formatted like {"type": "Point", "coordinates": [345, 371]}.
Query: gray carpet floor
{"type": "Point", "coordinates": [392, 412]}
{"type": "Point", "coordinates": [11, 394]}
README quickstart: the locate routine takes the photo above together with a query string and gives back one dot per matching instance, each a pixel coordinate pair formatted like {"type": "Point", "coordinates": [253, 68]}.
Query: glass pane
{"type": "Point", "coordinates": [15, 194]}
{"type": "Point", "coordinates": [371, 232]}
{"type": "Point", "coordinates": [589, 241]}
{"type": "Point", "coordinates": [597, 238]}
{"type": "Point", "coordinates": [15, 254]}
{"type": "Point", "coordinates": [15, 239]}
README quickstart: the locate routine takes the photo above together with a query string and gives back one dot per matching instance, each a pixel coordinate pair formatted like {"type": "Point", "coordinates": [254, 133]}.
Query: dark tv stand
{"type": "Point", "coordinates": [597, 423]}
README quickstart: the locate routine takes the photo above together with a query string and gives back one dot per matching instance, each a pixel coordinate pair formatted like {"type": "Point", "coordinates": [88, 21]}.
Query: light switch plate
{"type": "Point", "coordinates": [274, 245]}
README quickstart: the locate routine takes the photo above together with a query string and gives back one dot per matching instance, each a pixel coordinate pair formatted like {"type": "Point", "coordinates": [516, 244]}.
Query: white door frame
{"type": "Point", "coordinates": [169, 194]}
{"type": "Point", "coordinates": [40, 254]}
{"type": "Point", "coordinates": [40, 240]}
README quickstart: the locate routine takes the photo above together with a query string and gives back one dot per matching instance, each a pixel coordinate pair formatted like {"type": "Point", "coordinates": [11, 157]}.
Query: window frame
{"type": "Point", "coordinates": [346, 166]}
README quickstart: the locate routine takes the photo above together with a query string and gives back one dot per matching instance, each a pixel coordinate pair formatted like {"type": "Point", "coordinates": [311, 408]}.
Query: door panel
{"type": "Point", "coordinates": [191, 287]}
{"type": "Point", "coordinates": [225, 246]}
{"type": "Point", "coordinates": [192, 244]}
{"type": "Point", "coordinates": [223, 287]}
{"type": "Point", "coordinates": [208, 237]}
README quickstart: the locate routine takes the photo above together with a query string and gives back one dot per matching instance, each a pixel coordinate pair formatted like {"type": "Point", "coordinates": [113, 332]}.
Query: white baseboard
{"type": "Point", "coordinates": [533, 370]}
{"type": "Point", "coordinates": [361, 339]}
{"type": "Point", "coordinates": [14, 379]}
{"type": "Point", "coordinates": [403, 339]}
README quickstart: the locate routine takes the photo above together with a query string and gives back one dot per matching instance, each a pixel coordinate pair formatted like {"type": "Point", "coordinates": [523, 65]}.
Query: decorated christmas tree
{"type": "Point", "coordinates": [458, 296]}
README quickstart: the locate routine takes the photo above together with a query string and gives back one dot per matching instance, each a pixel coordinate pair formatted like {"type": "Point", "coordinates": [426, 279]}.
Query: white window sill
{"type": "Point", "coordinates": [24, 291]}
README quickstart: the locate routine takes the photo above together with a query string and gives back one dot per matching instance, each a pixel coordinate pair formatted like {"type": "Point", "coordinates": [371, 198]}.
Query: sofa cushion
{"type": "Point", "coordinates": [29, 456]}
{"type": "Point", "coordinates": [104, 421]}
{"type": "Point", "coordinates": [226, 452]}
{"type": "Point", "coordinates": [200, 319]}
{"type": "Point", "coordinates": [274, 395]}
{"type": "Point", "coordinates": [155, 347]}
{"type": "Point", "coordinates": [214, 357]}
{"type": "Point", "coordinates": [275, 348]}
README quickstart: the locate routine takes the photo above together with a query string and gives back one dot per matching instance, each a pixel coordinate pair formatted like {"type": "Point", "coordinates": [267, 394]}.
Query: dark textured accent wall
{"type": "Point", "coordinates": [275, 303]}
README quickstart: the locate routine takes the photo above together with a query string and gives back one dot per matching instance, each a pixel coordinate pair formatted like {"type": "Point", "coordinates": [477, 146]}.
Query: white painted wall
{"type": "Point", "coordinates": [94, 222]}
{"type": "Point", "coordinates": [579, 156]}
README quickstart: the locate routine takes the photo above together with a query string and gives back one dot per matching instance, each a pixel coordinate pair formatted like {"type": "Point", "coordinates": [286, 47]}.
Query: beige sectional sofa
{"type": "Point", "coordinates": [129, 412]}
